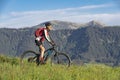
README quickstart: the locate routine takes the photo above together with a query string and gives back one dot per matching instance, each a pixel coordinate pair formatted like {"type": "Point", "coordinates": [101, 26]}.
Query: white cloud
{"type": "Point", "coordinates": [97, 6]}
{"type": "Point", "coordinates": [79, 14]}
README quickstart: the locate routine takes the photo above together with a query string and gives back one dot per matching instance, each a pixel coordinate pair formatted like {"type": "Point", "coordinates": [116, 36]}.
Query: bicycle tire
{"type": "Point", "coordinates": [32, 56]}
{"type": "Point", "coordinates": [62, 59]}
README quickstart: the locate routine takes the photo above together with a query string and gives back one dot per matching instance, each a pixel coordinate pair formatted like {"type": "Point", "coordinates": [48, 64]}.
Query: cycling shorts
{"type": "Point", "coordinates": [38, 43]}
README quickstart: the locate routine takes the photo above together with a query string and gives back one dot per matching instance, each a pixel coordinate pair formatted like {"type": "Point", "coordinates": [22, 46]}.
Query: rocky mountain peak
{"type": "Point", "coordinates": [94, 23]}
{"type": "Point", "coordinates": [64, 24]}
{"type": "Point", "coordinates": [58, 25]}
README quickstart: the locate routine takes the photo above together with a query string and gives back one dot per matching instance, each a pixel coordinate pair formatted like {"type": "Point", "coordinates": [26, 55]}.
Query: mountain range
{"type": "Point", "coordinates": [89, 42]}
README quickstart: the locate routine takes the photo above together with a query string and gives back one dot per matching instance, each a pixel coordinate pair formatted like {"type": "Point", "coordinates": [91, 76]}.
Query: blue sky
{"type": "Point", "coordinates": [27, 13]}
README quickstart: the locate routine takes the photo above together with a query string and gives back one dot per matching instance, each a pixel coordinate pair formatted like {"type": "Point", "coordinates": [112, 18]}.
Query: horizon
{"type": "Point", "coordinates": [52, 21]}
{"type": "Point", "coordinates": [13, 15]}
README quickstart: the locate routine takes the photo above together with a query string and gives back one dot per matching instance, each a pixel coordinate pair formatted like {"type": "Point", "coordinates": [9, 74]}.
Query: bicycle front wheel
{"type": "Point", "coordinates": [28, 57]}
{"type": "Point", "coordinates": [62, 59]}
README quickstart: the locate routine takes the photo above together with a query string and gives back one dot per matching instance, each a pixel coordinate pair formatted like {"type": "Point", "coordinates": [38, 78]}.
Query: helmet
{"type": "Point", "coordinates": [47, 24]}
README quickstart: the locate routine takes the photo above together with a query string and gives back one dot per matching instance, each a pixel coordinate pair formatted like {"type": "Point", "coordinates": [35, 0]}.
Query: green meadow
{"type": "Point", "coordinates": [10, 69]}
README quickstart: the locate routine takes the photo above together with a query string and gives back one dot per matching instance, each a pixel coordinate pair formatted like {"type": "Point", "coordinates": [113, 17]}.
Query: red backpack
{"type": "Point", "coordinates": [39, 32]}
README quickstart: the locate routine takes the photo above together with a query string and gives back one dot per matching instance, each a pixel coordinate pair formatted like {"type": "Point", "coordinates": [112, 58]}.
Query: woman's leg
{"type": "Point", "coordinates": [42, 48]}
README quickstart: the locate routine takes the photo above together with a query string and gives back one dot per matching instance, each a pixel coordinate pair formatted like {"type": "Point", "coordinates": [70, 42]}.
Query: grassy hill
{"type": "Point", "coordinates": [11, 70]}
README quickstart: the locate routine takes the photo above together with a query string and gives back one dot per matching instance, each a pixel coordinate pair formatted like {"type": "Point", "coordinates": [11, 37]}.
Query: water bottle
{"type": "Point", "coordinates": [49, 52]}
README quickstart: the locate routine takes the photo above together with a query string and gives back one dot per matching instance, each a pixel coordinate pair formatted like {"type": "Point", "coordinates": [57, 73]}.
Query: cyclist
{"type": "Point", "coordinates": [41, 34]}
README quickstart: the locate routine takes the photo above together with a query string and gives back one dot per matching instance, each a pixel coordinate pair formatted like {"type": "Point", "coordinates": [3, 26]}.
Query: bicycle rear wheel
{"type": "Point", "coordinates": [28, 57]}
{"type": "Point", "coordinates": [62, 59]}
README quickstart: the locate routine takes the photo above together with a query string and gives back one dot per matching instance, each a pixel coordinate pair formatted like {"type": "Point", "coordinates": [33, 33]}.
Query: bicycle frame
{"type": "Point", "coordinates": [47, 54]}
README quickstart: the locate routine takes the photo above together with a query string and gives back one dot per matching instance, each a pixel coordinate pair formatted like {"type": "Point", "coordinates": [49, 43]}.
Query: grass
{"type": "Point", "coordinates": [11, 70]}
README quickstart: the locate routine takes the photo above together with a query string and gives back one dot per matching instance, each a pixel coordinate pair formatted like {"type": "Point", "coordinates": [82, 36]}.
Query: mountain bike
{"type": "Point", "coordinates": [51, 53]}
